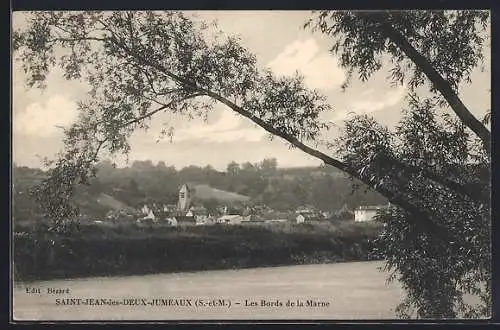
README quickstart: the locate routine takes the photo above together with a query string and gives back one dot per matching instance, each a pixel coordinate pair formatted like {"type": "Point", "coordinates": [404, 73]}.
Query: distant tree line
{"type": "Point", "coordinates": [279, 188]}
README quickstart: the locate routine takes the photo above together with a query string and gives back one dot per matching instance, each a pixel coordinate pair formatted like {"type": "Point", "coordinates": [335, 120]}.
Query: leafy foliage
{"type": "Point", "coordinates": [437, 47]}
{"type": "Point", "coordinates": [434, 161]}
{"type": "Point", "coordinates": [451, 40]}
{"type": "Point", "coordinates": [435, 271]}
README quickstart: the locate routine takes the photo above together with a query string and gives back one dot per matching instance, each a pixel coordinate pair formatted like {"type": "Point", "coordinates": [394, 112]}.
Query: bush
{"type": "Point", "coordinates": [122, 250]}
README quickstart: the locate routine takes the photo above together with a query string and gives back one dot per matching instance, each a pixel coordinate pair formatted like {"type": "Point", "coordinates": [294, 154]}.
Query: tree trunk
{"type": "Point", "coordinates": [439, 83]}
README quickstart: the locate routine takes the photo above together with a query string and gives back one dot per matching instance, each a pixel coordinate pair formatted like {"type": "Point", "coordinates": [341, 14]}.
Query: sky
{"type": "Point", "coordinates": [279, 43]}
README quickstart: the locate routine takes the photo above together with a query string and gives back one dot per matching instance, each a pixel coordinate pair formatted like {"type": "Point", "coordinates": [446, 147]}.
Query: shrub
{"type": "Point", "coordinates": [120, 250]}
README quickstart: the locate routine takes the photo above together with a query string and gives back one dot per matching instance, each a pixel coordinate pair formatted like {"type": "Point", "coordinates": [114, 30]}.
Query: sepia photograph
{"type": "Point", "coordinates": [251, 165]}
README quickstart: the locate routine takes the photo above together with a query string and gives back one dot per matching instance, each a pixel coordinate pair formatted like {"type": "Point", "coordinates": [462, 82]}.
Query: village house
{"type": "Point", "coordinates": [366, 213]}
{"type": "Point", "coordinates": [306, 217]}
{"type": "Point", "coordinates": [305, 209]}
{"type": "Point", "coordinates": [169, 208]}
{"type": "Point", "coordinates": [303, 218]}
{"type": "Point", "coordinates": [121, 215]}
{"type": "Point", "coordinates": [230, 219]}
{"type": "Point", "coordinates": [200, 214]}
{"type": "Point", "coordinates": [184, 221]}
{"type": "Point", "coordinates": [308, 214]}
{"type": "Point", "coordinates": [156, 212]}
{"type": "Point", "coordinates": [148, 214]}
{"type": "Point", "coordinates": [172, 221]}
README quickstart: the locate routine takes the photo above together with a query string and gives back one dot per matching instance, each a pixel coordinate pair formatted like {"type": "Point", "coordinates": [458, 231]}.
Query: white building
{"type": "Point", "coordinates": [300, 218]}
{"type": "Point", "coordinates": [199, 213]}
{"type": "Point", "coordinates": [147, 214]}
{"type": "Point", "coordinates": [145, 210]}
{"type": "Point", "coordinates": [304, 217]}
{"type": "Point", "coordinates": [366, 213]}
{"type": "Point", "coordinates": [172, 221]}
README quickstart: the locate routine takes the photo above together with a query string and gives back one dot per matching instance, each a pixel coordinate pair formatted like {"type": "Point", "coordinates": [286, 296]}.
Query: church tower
{"type": "Point", "coordinates": [184, 198]}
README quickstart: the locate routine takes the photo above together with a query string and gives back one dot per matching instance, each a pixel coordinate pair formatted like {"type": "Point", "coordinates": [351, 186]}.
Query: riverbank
{"type": "Point", "coordinates": [128, 250]}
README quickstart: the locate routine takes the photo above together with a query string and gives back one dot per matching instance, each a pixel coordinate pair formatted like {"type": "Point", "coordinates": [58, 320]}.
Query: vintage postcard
{"type": "Point", "coordinates": [251, 165]}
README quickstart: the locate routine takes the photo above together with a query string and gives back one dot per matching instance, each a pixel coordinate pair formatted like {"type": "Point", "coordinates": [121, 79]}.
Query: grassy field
{"type": "Point", "coordinates": [97, 250]}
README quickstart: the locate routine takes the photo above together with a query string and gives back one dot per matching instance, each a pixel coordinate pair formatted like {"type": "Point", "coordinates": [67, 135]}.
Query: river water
{"type": "Point", "coordinates": [345, 291]}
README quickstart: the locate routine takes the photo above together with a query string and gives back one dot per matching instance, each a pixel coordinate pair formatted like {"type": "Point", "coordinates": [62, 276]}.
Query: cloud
{"type": "Point", "coordinates": [367, 92]}
{"type": "Point", "coordinates": [42, 119]}
{"type": "Point", "coordinates": [228, 127]}
{"type": "Point", "coordinates": [390, 98]}
{"type": "Point", "coordinates": [371, 105]}
{"type": "Point", "coordinates": [320, 69]}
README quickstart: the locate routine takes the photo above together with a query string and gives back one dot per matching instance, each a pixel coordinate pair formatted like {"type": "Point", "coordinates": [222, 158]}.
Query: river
{"type": "Point", "coordinates": [346, 291]}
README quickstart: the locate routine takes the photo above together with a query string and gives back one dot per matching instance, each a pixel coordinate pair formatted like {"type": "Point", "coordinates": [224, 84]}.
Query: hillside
{"type": "Point", "coordinates": [311, 170]}
{"type": "Point", "coordinates": [205, 192]}
{"type": "Point", "coordinates": [102, 202]}
{"type": "Point", "coordinates": [281, 189]}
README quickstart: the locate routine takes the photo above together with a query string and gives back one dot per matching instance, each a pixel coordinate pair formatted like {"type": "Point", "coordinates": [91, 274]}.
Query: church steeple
{"type": "Point", "coordinates": [184, 198]}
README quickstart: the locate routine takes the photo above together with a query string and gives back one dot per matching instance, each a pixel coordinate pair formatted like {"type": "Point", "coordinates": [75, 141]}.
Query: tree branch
{"type": "Point", "coordinates": [394, 198]}
{"type": "Point", "coordinates": [442, 180]}
{"type": "Point", "coordinates": [152, 112]}
{"type": "Point", "coordinates": [138, 119]}
{"type": "Point", "coordinates": [436, 79]}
